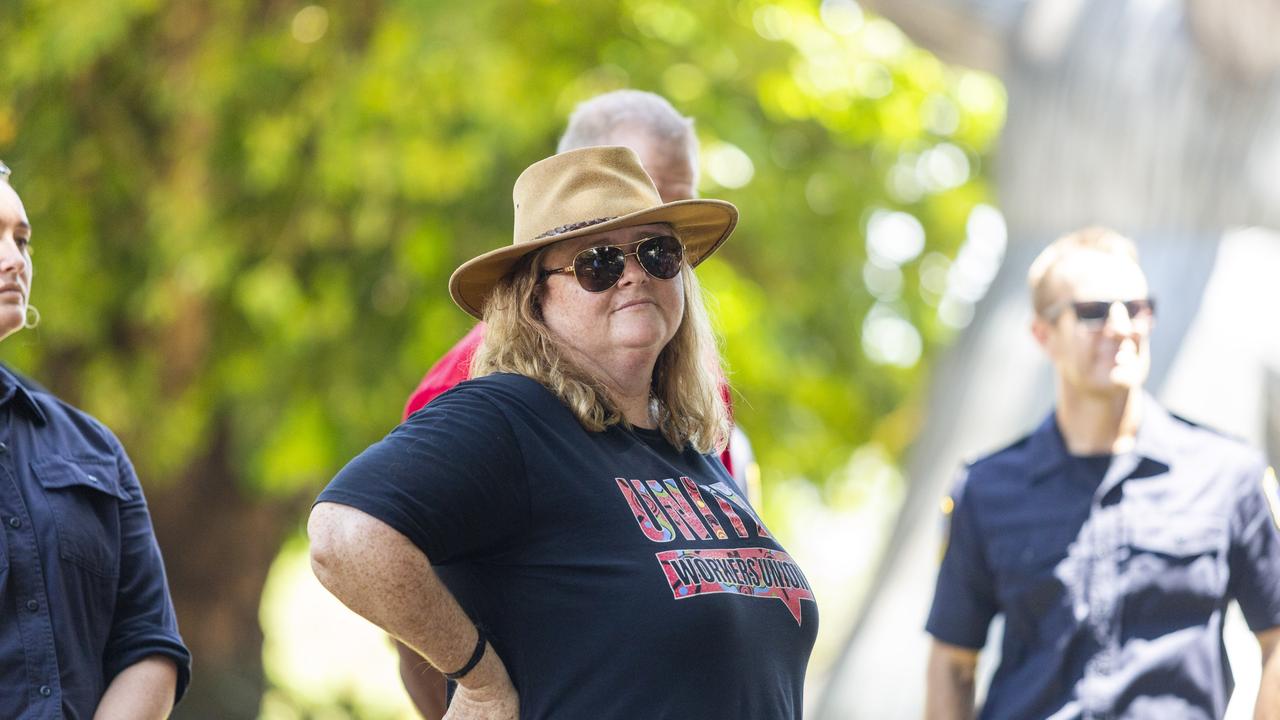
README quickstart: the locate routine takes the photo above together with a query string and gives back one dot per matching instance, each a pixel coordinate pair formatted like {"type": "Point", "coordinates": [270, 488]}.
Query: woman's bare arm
{"type": "Point", "coordinates": [384, 577]}
{"type": "Point", "coordinates": [144, 690]}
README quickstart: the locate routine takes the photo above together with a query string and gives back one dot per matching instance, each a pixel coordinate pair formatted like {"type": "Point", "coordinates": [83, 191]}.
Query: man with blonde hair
{"type": "Point", "coordinates": [1113, 537]}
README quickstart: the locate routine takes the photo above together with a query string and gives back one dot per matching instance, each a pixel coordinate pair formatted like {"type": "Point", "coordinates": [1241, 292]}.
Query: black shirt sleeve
{"type": "Point", "coordinates": [450, 478]}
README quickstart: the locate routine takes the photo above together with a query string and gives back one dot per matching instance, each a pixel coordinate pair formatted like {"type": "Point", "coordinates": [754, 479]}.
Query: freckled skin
{"type": "Point", "coordinates": [384, 577]}
{"type": "Point", "coordinates": [619, 333]}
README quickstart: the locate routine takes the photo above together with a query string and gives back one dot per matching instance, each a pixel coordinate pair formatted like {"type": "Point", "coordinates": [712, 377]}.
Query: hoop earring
{"type": "Point", "coordinates": [31, 318]}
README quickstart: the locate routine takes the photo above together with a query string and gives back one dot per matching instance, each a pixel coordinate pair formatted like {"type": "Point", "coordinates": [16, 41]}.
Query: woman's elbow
{"type": "Point", "coordinates": [326, 528]}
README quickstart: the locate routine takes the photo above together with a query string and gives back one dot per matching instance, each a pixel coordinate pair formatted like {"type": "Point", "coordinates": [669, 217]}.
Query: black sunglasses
{"type": "Point", "coordinates": [600, 268]}
{"type": "Point", "coordinates": [1094, 313]}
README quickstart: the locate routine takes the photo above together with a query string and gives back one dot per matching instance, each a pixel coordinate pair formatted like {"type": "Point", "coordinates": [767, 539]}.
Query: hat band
{"type": "Point", "coordinates": [574, 226]}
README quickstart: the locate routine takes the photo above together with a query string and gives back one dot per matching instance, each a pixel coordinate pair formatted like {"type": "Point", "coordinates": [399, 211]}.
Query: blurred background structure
{"type": "Point", "coordinates": [1160, 118]}
{"type": "Point", "coordinates": [246, 212]}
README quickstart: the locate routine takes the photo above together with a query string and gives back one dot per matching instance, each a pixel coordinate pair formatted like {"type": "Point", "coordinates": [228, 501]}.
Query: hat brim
{"type": "Point", "coordinates": [703, 226]}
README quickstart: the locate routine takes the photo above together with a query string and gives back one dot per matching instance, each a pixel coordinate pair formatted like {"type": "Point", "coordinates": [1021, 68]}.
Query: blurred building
{"type": "Point", "coordinates": [1160, 118]}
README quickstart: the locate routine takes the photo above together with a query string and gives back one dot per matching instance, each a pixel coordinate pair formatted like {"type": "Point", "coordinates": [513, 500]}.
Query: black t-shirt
{"type": "Point", "coordinates": [1089, 470]}
{"type": "Point", "coordinates": [616, 576]}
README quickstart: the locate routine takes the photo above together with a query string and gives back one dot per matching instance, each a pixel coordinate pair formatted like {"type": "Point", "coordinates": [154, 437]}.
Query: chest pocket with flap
{"type": "Point", "coordinates": [1178, 552]}
{"type": "Point", "coordinates": [1025, 565]}
{"type": "Point", "coordinates": [84, 494]}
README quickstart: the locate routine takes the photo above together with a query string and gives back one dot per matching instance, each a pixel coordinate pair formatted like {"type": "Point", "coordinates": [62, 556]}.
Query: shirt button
{"type": "Point", "coordinates": [14, 522]}
{"type": "Point", "coordinates": [93, 479]}
{"type": "Point", "coordinates": [32, 605]}
{"type": "Point", "coordinates": [3, 448]}
{"type": "Point", "coordinates": [45, 690]}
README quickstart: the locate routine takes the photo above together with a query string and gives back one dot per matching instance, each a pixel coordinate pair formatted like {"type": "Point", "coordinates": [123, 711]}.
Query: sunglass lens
{"type": "Point", "coordinates": [599, 268]}
{"type": "Point", "coordinates": [660, 256]}
{"type": "Point", "coordinates": [1092, 311]}
{"type": "Point", "coordinates": [1140, 308]}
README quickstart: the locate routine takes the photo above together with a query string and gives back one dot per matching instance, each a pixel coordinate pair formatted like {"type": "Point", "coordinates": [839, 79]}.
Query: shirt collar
{"type": "Point", "coordinates": [12, 389]}
{"type": "Point", "coordinates": [1156, 432]}
{"type": "Point", "coordinates": [1154, 440]}
{"type": "Point", "coordinates": [1047, 449]}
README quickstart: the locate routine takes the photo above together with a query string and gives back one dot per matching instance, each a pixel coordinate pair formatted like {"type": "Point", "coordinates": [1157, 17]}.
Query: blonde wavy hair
{"type": "Point", "coordinates": [685, 392]}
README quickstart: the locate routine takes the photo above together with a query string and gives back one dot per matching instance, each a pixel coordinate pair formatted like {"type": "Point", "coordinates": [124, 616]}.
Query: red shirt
{"type": "Point", "coordinates": [455, 366]}
{"type": "Point", "coordinates": [452, 368]}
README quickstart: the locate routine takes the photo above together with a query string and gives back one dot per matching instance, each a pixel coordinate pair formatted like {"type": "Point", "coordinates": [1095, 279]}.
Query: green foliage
{"type": "Point", "coordinates": [245, 212]}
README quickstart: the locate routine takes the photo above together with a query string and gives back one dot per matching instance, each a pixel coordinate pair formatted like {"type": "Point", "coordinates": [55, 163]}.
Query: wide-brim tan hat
{"type": "Point", "coordinates": [587, 191]}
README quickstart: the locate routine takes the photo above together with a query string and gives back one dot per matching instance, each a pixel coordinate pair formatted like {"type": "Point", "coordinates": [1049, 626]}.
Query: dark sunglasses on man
{"type": "Point", "coordinates": [600, 268]}
{"type": "Point", "coordinates": [1093, 314]}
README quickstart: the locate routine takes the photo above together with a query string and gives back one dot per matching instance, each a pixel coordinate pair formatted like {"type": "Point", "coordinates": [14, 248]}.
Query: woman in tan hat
{"type": "Point", "coordinates": [554, 533]}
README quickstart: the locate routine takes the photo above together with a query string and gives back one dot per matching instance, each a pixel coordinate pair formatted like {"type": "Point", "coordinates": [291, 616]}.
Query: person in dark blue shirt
{"type": "Point", "coordinates": [555, 533]}
{"type": "Point", "coordinates": [1113, 537]}
{"type": "Point", "coordinates": [87, 627]}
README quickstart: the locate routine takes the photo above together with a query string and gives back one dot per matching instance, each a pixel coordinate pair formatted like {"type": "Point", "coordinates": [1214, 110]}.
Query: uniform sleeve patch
{"type": "Point", "coordinates": [1271, 490]}
{"type": "Point", "coordinates": [947, 505]}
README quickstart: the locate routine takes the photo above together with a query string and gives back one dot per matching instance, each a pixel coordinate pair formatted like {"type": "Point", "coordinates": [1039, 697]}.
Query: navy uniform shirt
{"type": "Point", "coordinates": [82, 586]}
{"type": "Point", "coordinates": [1112, 582]}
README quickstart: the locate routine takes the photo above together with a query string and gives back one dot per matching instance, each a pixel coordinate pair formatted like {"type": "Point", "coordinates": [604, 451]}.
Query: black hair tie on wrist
{"type": "Point", "coordinates": [476, 654]}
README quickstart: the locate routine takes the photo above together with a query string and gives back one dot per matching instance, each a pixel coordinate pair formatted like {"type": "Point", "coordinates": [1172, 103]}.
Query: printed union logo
{"type": "Point", "coordinates": [754, 572]}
